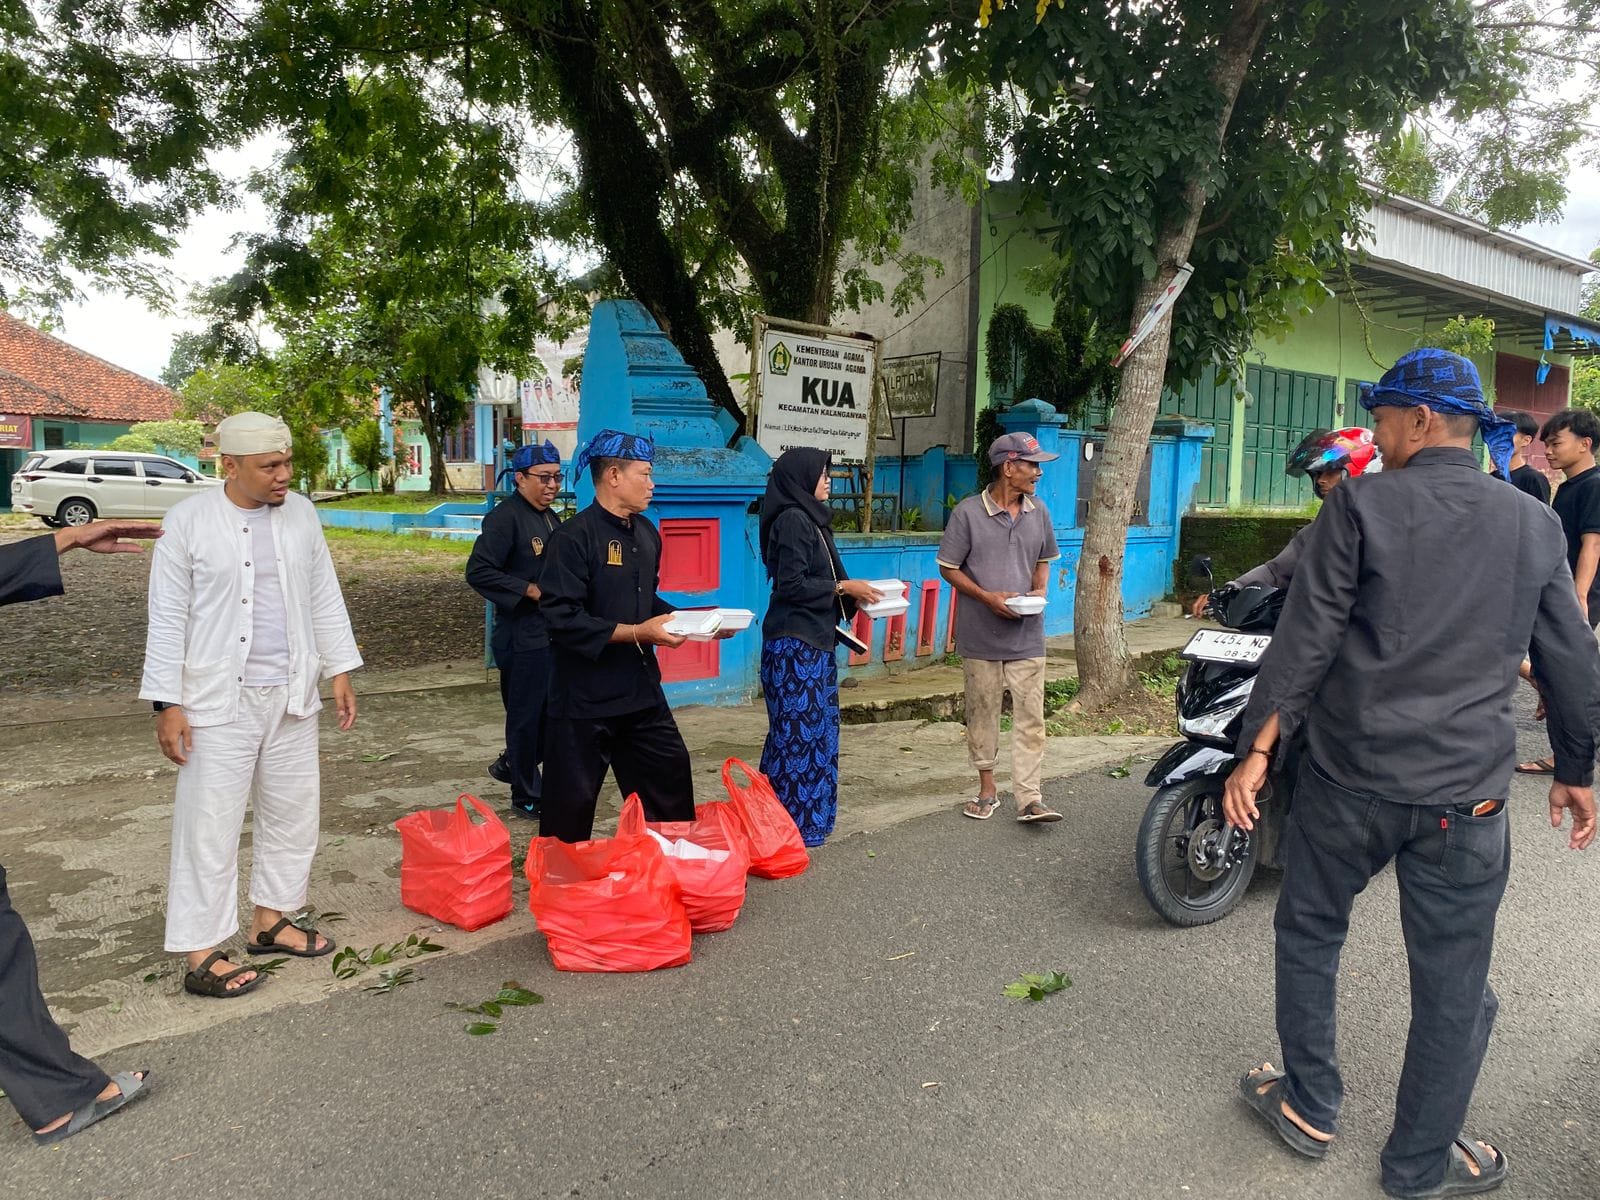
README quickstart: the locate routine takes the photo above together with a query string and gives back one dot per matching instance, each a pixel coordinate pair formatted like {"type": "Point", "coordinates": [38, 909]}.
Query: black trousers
{"type": "Point", "coordinates": [39, 1073]}
{"type": "Point", "coordinates": [645, 750]}
{"type": "Point", "coordinates": [1452, 871]}
{"type": "Point", "coordinates": [524, 689]}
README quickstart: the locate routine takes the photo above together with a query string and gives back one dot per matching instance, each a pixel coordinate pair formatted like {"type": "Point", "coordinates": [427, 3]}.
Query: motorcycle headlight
{"type": "Point", "coordinates": [1213, 724]}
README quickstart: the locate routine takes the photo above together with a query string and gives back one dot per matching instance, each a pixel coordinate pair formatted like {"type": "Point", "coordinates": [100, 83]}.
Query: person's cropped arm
{"type": "Point", "coordinates": [1583, 574]}
{"type": "Point", "coordinates": [1312, 625]}
{"type": "Point", "coordinates": [486, 573]}
{"type": "Point", "coordinates": [1565, 663]}
{"type": "Point", "coordinates": [793, 539]}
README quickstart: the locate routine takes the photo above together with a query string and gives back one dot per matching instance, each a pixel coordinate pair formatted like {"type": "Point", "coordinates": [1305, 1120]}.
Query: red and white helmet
{"type": "Point", "coordinates": [1350, 450]}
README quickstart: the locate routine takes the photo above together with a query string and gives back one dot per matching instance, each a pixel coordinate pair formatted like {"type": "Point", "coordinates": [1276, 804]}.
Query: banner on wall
{"type": "Point", "coordinates": [16, 432]}
{"type": "Point", "coordinates": [551, 401]}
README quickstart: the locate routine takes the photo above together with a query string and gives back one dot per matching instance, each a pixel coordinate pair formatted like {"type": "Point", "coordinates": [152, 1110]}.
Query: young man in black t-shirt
{"type": "Point", "coordinates": [1570, 438]}
{"type": "Point", "coordinates": [1524, 475]}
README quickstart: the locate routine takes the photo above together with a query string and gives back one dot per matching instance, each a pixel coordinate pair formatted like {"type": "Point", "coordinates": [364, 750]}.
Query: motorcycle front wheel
{"type": "Point", "coordinates": [1184, 874]}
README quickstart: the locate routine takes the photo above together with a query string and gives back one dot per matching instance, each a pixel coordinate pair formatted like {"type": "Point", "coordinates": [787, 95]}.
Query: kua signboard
{"type": "Point", "coordinates": [815, 389]}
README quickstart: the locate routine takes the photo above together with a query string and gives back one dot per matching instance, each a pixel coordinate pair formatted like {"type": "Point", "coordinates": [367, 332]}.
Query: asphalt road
{"type": "Point", "coordinates": [848, 1038]}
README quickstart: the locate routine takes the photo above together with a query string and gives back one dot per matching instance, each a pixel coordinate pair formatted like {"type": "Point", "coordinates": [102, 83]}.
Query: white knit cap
{"type": "Point", "coordinates": [252, 433]}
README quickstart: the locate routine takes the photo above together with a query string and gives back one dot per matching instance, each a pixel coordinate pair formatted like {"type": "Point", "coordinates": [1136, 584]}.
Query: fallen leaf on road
{"type": "Point", "coordinates": [898, 957]}
{"type": "Point", "coordinates": [181, 1157]}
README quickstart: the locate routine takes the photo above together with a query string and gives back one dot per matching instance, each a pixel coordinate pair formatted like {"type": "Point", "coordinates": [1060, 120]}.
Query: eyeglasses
{"type": "Point", "coordinates": [545, 477]}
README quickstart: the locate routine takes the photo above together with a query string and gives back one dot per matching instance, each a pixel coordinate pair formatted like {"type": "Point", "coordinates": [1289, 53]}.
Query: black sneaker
{"type": "Point", "coordinates": [500, 769]}
{"type": "Point", "coordinates": [528, 811]}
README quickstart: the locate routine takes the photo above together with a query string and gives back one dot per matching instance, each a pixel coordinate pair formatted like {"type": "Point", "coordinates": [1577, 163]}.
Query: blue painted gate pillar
{"type": "Point", "coordinates": [635, 380]}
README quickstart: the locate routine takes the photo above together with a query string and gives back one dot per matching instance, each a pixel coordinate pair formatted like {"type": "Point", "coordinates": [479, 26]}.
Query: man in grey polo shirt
{"type": "Point", "coordinates": [998, 545]}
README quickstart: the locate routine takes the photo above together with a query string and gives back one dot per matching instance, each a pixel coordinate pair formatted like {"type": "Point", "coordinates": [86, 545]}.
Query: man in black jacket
{"type": "Point", "coordinates": [504, 568]}
{"type": "Point", "coordinates": [606, 619]}
{"type": "Point", "coordinates": [1398, 650]}
{"type": "Point", "coordinates": [54, 1090]}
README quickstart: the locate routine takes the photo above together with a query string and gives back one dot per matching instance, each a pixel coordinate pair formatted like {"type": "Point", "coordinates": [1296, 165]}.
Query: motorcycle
{"type": "Point", "coordinates": [1194, 867]}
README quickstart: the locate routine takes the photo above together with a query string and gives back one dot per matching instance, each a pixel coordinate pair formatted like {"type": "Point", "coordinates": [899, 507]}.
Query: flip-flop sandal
{"type": "Point", "coordinates": [202, 982]}
{"type": "Point", "coordinates": [1269, 1105]}
{"type": "Point", "coordinates": [980, 809]}
{"type": "Point", "coordinates": [1458, 1177]}
{"type": "Point", "coordinates": [265, 943]}
{"type": "Point", "coordinates": [1540, 766]}
{"type": "Point", "coordinates": [130, 1083]}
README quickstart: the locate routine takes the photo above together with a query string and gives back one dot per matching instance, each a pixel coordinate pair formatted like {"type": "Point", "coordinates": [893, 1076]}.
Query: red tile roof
{"type": "Point", "coordinates": [42, 376]}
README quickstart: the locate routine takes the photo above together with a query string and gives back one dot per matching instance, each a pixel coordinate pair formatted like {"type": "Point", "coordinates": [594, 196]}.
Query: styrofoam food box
{"type": "Point", "coordinates": [1027, 606]}
{"type": "Point", "coordinates": [698, 625]}
{"type": "Point", "coordinates": [735, 619]}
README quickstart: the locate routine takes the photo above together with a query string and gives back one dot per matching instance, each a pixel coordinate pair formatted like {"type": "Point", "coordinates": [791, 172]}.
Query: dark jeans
{"type": "Point", "coordinates": [39, 1073]}
{"type": "Point", "coordinates": [1451, 869]}
{"type": "Point", "coordinates": [524, 687]}
{"type": "Point", "coordinates": [644, 748]}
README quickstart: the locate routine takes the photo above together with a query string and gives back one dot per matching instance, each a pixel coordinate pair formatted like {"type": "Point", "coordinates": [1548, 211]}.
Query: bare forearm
{"type": "Point", "coordinates": [1041, 576]}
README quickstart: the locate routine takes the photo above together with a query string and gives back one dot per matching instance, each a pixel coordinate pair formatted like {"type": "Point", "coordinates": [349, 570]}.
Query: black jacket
{"type": "Point", "coordinates": [1419, 592]}
{"type": "Point", "coordinates": [510, 554]}
{"type": "Point", "coordinates": [602, 572]}
{"type": "Point", "coordinates": [30, 570]}
{"type": "Point", "coordinates": [803, 604]}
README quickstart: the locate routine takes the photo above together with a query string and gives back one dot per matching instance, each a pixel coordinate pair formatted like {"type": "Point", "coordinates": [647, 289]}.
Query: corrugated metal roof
{"type": "Point", "coordinates": [1420, 238]}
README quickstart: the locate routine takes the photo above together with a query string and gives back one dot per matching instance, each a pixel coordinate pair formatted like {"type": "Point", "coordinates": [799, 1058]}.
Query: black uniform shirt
{"type": "Point", "coordinates": [602, 572]}
{"type": "Point", "coordinates": [1577, 503]}
{"type": "Point", "coordinates": [1418, 594]}
{"type": "Point", "coordinates": [509, 555]}
{"type": "Point", "coordinates": [804, 604]}
{"type": "Point", "coordinates": [1532, 480]}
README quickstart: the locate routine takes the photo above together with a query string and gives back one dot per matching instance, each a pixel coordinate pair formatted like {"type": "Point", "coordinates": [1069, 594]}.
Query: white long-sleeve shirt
{"type": "Point", "coordinates": [202, 584]}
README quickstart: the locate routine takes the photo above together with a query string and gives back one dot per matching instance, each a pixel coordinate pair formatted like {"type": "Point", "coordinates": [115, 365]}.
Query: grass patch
{"type": "Point", "coordinates": [402, 545]}
{"type": "Point", "coordinates": [402, 502]}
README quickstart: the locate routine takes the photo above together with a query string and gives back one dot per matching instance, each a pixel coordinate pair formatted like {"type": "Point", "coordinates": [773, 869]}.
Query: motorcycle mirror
{"type": "Point", "coordinates": [1200, 567]}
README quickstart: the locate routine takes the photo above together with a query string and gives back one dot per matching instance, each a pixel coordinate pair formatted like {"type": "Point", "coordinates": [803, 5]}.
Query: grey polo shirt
{"type": "Point", "coordinates": [999, 554]}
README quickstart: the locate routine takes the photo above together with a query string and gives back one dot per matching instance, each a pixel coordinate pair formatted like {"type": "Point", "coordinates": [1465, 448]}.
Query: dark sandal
{"type": "Point", "coordinates": [1458, 1177]}
{"type": "Point", "coordinates": [265, 943]}
{"type": "Point", "coordinates": [130, 1083]}
{"type": "Point", "coordinates": [1269, 1105]}
{"type": "Point", "coordinates": [202, 982]}
{"type": "Point", "coordinates": [1537, 766]}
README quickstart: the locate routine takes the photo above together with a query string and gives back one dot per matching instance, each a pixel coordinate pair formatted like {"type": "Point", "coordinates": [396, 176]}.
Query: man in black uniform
{"type": "Point", "coordinates": [1398, 651]}
{"type": "Point", "coordinates": [606, 619]}
{"type": "Point", "coordinates": [504, 568]}
{"type": "Point", "coordinates": [54, 1090]}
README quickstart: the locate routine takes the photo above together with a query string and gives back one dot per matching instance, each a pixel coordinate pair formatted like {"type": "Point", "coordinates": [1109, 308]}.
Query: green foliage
{"type": "Point", "coordinates": [911, 520]}
{"type": "Point", "coordinates": [986, 429]}
{"type": "Point", "coordinates": [183, 437]}
{"type": "Point", "coordinates": [1236, 542]}
{"type": "Point", "coordinates": [511, 995]}
{"type": "Point", "coordinates": [350, 962]}
{"type": "Point", "coordinates": [365, 443]}
{"type": "Point", "coordinates": [1066, 364]}
{"type": "Point", "coordinates": [1127, 98]}
{"type": "Point", "coordinates": [1036, 987]}
{"type": "Point", "coordinates": [1058, 693]}
{"type": "Point", "coordinates": [1472, 337]}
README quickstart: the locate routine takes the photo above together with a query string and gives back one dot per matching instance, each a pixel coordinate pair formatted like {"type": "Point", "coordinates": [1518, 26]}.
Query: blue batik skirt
{"type": "Point", "coordinates": [801, 757]}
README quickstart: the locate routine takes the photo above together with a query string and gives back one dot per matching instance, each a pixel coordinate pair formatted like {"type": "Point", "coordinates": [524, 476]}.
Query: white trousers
{"type": "Point", "coordinates": [266, 755]}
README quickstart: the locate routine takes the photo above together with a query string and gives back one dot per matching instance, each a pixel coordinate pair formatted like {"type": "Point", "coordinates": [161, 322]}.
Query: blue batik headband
{"type": "Point", "coordinates": [609, 443]}
{"type": "Point", "coordinates": [525, 458]}
{"type": "Point", "coordinates": [1446, 383]}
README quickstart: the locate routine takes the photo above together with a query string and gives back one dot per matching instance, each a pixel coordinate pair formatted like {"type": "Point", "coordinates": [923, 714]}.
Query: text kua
{"type": "Point", "coordinates": [826, 393]}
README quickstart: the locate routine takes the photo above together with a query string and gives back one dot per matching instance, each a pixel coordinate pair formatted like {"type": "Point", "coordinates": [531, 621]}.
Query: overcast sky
{"type": "Point", "coordinates": [125, 332]}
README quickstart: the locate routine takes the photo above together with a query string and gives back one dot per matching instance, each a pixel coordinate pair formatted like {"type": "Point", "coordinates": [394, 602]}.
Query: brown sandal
{"type": "Point", "coordinates": [267, 943]}
{"type": "Point", "coordinates": [203, 982]}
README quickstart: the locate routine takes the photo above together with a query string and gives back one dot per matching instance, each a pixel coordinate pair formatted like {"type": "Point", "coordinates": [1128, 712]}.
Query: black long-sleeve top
{"type": "Point", "coordinates": [1418, 594]}
{"type": "Point", "coordinates": [508, 556]}
{"type": "Point", "coordinates": [804, 603]}
{"type": "Point", "coordinates": [30, 570]}
{"type": "Point", "coordinates": [602, 572]}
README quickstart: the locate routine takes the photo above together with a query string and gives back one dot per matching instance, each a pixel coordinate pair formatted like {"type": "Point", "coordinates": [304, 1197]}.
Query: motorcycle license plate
{"type": "Point", "coordinates": [1220, 645]}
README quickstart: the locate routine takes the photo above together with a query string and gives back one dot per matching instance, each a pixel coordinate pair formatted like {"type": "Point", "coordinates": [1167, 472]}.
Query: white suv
{"type": "Point", "coordinates": [73, 487]}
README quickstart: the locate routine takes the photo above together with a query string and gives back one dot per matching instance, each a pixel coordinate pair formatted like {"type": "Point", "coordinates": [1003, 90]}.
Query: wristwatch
{"type": "Point", "coordinates": [161, 705]}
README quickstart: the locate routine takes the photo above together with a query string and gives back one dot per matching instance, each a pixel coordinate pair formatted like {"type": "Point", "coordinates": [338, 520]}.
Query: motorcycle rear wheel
{"type": "Point", "coordinates": [1185, 887]}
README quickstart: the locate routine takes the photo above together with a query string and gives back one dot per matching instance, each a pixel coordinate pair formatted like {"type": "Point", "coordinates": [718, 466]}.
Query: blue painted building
{"type": "Point", "coordinates": [708, 482]}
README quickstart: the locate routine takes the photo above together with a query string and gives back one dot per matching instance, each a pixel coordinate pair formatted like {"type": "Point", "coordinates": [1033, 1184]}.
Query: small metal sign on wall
{"type": "Point", "coordinates": [911, 384]}
{"type": "Point", "coordinates": [816, 386]}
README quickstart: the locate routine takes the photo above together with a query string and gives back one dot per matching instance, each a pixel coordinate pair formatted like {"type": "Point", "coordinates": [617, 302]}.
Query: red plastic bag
{"type": "Point", "coordinates": [777, 850]}
{"type": "Point", "coordinates": [713, 888]}
{"type": "Point", "coordinates": [455, 871]}
{"type": "Point", "coordinates": [609, 905]}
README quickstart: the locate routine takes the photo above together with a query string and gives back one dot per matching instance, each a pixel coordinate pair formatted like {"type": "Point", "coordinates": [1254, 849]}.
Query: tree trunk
{"type": "Point", "coordinates": [1101, 645]}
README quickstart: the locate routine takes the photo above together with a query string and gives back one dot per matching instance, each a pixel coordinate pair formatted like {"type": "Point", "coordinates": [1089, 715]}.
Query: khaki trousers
{"type": "Point", "coordinates": [986, 683]}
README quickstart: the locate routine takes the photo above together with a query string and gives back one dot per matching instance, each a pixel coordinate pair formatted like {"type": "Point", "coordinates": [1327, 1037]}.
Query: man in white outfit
{"type": "Point", "coordinates": [246, 618]}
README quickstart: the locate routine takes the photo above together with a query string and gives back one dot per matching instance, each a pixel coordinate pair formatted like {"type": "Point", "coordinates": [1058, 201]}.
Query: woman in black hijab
{"type": "Point", "coordinates": [799, 673]}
